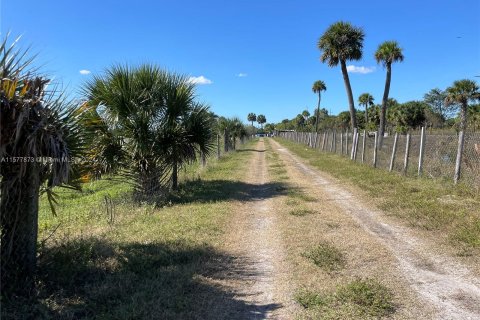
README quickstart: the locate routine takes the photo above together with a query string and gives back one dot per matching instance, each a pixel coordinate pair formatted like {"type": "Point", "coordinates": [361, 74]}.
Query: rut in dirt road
{"type": "Point", "coordinates": [437, 279]}
{"type": "Point", "coordinates": [255, 240]}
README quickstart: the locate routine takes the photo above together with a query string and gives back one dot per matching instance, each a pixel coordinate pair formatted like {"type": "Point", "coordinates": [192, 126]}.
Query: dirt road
{"type": "Point", "coordinates": [268, 244]}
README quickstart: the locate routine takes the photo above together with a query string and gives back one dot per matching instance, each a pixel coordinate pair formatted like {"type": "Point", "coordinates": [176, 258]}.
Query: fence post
{"type": "Point", "coordinates": [353, 143]}
{"type": "Point", "coordinates": [363, 145]}
{"type": "Point", "coordinates": [346, 143]}
{"type": "Point", "coordinates": [394, 150]}
{"type": "Point", "coordinates": [225, 141]}
{"type": "Point", "coordinates": [204, 159]}
{"type": "Point", "coordinates": [218, 146]}
{"type": "Point", "coordinates": [356, 145]}
{"type": "Point", "coordinates": [341, 142]}
{"type": "Point", "coordinates": [334, 141]}
{"type": "Point", "coordinates": [324, 140]}
{"type": "Point", "coordinates": [458, 162]}
{"type": "Point", "coordinates": [407, 154]}
{"type": "Point", "coordinates": [375, 151]}
{"type": "Point", "coordinates": [422, 149]}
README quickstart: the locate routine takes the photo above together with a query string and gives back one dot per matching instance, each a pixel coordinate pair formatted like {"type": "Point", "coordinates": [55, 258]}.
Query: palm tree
{"type": "Point", "coordinates": [261, 120]}
{"type": "Point", "coordinates": [462, 92]}
{"type": "Point", "coordinates": [387, 53]}
{"type": "Point", "coordinates": [342, 42]}
{"type": "Point", "coordinates": [366, 99]}
{"type": "Point", "coordinates": [252, 117]}
{"type": "Point", "coordinates": [318, 87]}
{"type": "Point", "coordinates": [39, 137]}
{"type": "Point", "coordinates": [154, 115]}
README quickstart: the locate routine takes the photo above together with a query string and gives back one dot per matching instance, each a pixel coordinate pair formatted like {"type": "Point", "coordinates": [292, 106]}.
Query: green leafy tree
{"type": "Point", "coordinates": [318, 87]}
{"type": "Point", "coordinates": [261, 120]}
{"type": "Point", "coordinates": [407, 115]}
{"type": "Point", "coordinates": [341, 42]}
{"type": "Point", "coordinates": [387, 53]}
{"type": "Point", "coordinates": [366, 100]}
{"type": "Point", "coordinates": [35, 124]}
{"type": "Point", "coordinates": [252, 117]}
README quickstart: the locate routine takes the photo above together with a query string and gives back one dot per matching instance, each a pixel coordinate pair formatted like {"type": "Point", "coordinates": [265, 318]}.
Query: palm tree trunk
{"type": "Point", "coordinates": [383, 111]}
{"type": "Point", "coordinates": [318, 111]}
{"type": "Point", "coordinates": [353, 118]}
{"type": "Point", "coordinates": [366, 114]}
{"type": "Point", "coordinates": [19, 225]}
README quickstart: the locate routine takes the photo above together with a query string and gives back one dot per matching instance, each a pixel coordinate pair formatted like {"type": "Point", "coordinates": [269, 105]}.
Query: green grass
{"type": "Point", "coordinates": [148, 263]}
{"type": "Point", "coordinates": [359, 299]}
{"type": "Point", "coordinates": [424, 203]}
{"type": "Point", "coordinates": [300, 212]}
{"type": "Point", "coordinates": [326, 256]}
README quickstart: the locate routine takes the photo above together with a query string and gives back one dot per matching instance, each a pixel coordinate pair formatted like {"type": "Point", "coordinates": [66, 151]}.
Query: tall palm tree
{"type": "Point", "coordinates": [341, 42]}
{"type": "Point", "coordinates": [261, 120]}
{"type": "Point", "coordinates": [462, 92]}
{"type": "Point", "coordinates": [387, 53]}
{"type": "Point", "coordinates": [252, 117]}
{"type": "Point", "coordinates": [318, 87]}
{"type": "Point", "coordinates": [366, 99]}
{"type": "Point", "coordinates": [39, 137]}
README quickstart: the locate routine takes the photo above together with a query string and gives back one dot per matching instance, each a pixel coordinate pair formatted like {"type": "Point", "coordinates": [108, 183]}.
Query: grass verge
{"type": "Point", "coordinates": [145, 263]}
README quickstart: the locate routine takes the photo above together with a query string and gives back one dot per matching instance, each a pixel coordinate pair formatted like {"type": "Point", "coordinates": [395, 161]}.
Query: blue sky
{"type": "Point", "coordinates": [253, 55]}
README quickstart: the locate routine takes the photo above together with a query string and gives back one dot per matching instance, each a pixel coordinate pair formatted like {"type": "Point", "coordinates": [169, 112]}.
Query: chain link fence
{"type": "Point", "coordinates": [434, 157]}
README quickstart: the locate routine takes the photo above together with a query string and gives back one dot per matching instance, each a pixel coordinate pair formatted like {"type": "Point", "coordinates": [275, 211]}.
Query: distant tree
{"type": "Point", "coordinates": [300, 121]}
{"type": "Point", "coordinates": [407, 115]}
{"type": "Point", "coordinates": [435, 98]}
{"type": "Point", "coordinates": [261, 120]}
{"type": "Point", "coordinates": [318, 87]}
{"type": "Point", "coordinates": [305, 114]}
{"type": "Point", "coordinates": [343, 119]}
{"type": "Point", "coordinates": [387, 53]}
{"type": "Point", "coordinates": [341, 42]}
{"type": "Point", "coordinates": [462, 92]}
{"type": "Point", "coordinates": [366, 100]}
{"type": "Point", "coordinates": [269, 127]}
{"type": "Point", "coordinates": [252, 117]}
{"type": "Point", "coordinates": [473, 117]}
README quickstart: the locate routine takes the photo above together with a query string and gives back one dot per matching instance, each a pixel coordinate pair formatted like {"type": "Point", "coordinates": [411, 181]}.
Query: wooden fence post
{"type": "Point", "coordinates": [394, 150]}
{"type": "Point", "coordinates": [334, 141]}
{"type": "Point", "coordinates": [356, 145]}
{"type": "Point", "coordinates": [458, 162]}
{"type": "Point", "coordinates": [375, 151]}
{"type": "Point", "coordinates": [341, 142]}
{"type": "Point", "coordinates": [422, 149]}
{"type": "Point", "coordinates": [218, 146]}
{"type": "Point", "coordinates": [225, 141]}
{"type": "Point", "coordinates": [346, 143]}
{"type": "Point", "coordinates": [324, 140]}
{"type": "Point", "coordinates": [363, 145]}
{"type": "Point", "coordinates": [353, 143]}
{"type": "Point", "coordinates": [407, 154]}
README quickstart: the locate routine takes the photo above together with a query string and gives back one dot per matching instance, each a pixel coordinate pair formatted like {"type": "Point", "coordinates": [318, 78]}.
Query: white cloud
{"type": "Point", "coordinates": [242, 75]}
{"type": "Point", "coordinates": [359, 69]}
{"type": "Point", "coordinates": [199, 80]}
{"type": "Point", "coordinates": [85, 72]}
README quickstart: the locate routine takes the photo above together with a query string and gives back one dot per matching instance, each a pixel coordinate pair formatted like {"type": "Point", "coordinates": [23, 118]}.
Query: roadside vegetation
{"type": "Point", "coordinates": [119, 259]}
